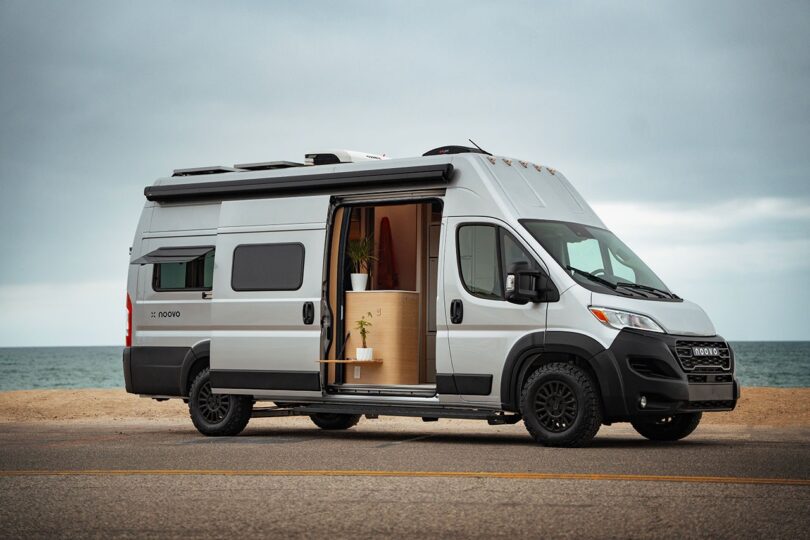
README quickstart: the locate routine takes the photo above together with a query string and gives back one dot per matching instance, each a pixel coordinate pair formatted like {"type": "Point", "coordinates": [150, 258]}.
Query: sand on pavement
{"type": "Point", "coordinates": [778, 407]}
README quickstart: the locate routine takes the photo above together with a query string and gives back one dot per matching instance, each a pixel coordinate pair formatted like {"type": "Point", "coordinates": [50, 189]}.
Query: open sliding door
{"type": "Point", "coordinates": [267, 297]}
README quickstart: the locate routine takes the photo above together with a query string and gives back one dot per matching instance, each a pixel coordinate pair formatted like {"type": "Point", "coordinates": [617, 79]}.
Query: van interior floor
{"type": "Point", "coordinates": [411, 390]}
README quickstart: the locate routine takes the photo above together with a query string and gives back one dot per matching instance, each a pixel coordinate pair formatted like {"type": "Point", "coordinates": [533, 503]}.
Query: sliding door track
{"type": "Point", "coordinates": [400, 390]}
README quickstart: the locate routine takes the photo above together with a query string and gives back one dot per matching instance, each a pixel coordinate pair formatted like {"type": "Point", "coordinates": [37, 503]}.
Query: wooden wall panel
{"type": "Point", "coordinates": [394, 336]}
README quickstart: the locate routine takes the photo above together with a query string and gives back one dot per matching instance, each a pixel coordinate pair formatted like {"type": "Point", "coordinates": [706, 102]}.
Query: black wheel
{"type": "Point", "coordinates": [668, 428]}
{"type": "Point", "coordinates": [217, 414]}
{"type": "Point", "coordinates": [334, 420]}
{"type": "Point", "coordinates": [560, 405]}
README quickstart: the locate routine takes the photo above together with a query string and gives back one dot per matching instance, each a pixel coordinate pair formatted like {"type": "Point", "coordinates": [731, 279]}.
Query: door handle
{"type": "Point", "coordinates": [456, 311]}
{"type": "Point", "coordinates": [309, 313]}
{"type": "Point", "coordinates": [207, 295]}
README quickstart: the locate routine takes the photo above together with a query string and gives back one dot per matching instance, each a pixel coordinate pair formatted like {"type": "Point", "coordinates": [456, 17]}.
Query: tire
{"type": "Point", "coordinates": [560, 405]}
{"type": "Point", "coordinates": [334, 421]}
{"type": "Point", "coordinates": [668, 428]}
{"type": "Point", "coordinates": [217, 415]}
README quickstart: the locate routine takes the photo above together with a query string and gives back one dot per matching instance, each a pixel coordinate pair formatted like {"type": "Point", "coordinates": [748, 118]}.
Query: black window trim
{"type": "Point", "coordinates": [497, 248]}
{"type": "Point", "coordinates": [249, 289]}
{"type": "Point", "coordinates": [156, 272]}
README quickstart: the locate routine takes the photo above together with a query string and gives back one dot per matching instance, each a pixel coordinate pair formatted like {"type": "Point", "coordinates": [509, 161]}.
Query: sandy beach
{"type": "Point", "coordinates": [777, 407]}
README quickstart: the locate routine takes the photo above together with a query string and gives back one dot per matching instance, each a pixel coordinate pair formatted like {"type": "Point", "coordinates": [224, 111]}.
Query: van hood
{"type": "Point", "coordinates": [680, 318]}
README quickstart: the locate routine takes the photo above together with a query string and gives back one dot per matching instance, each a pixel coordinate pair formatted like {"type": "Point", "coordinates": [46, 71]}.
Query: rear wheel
{"type": "Point", "coordinates": [335, 420]}
{"type": "Point", "coordinates": [217, 414]}
{"type": "Point", "coordinates": [560, 405]}
{"type": "Point", "coordinates": [668, 428]}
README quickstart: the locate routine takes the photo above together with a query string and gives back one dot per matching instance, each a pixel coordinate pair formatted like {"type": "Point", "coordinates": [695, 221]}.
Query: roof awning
{"type": "Point", "coordinates": [174, 255]}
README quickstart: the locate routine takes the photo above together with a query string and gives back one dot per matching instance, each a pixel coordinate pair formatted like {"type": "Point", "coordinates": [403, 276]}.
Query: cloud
{"type": "Point", "coordinates": [637, 104]}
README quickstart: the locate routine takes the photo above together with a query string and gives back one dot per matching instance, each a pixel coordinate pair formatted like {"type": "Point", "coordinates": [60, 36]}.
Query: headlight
{"type": "Point", "coordinates": [624, 319]}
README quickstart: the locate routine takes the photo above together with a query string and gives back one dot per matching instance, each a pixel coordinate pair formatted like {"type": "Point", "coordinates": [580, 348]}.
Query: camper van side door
{"type": "Point", "coordinates": [479, 254]}
{"type": "Point", "coordinates": [267, 297]}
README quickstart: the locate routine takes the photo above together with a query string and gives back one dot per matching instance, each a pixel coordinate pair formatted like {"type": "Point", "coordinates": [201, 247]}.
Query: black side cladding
{"type": "Point", "coordinates": [266, 380]}
{"type": "Point", "coordinates": [286, 185]}
{"type": "Point", "coordinates": [154, 370]}
{"type": "Point", "coordinates": [464, 384]}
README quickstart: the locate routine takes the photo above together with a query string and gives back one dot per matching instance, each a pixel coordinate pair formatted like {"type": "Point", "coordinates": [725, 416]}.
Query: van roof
{"type": "Point", "coordinates": [288, 180]}
{"type": "Point", "coordinates": [490, 185]}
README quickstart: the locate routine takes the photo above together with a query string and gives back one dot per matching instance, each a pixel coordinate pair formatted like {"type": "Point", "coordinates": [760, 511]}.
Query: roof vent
{"type": "Point", "coordinates": [331, 157]}
{"type": "Point", "coordinates": [267, 165]}
{"type": "Point", "coordinates": [196, 171]}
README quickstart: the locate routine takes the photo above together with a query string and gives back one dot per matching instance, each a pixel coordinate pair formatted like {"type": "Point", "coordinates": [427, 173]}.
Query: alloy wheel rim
{"type": "Point", "coordinates": [556, 406]}
{"type": "Point", "coordinates": [214, 407]}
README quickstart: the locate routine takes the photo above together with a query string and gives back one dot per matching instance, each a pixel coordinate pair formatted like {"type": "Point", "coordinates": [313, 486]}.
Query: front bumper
{"type": "Point", "coordinates": [648, 365]}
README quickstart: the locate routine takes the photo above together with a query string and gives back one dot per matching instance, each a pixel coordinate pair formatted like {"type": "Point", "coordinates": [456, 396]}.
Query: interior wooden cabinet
{"type": "Point", "coordinates": [401, 294]}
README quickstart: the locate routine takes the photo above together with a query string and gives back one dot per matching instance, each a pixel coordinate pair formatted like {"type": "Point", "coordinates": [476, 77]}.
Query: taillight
{"type": "Point", "coordinates": [129, 322]}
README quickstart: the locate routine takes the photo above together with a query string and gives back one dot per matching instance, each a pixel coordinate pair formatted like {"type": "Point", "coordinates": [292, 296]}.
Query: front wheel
{"type": "Point", "coordinates": [667, 428]}
{"type": "Point", "coordinates": [560, 405]}
{"type": "Point", "coordinates": [217, 415]}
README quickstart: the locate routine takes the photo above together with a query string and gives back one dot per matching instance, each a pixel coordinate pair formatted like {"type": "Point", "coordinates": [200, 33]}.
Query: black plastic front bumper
{"type": "Point", "coordinates": [649, 367]}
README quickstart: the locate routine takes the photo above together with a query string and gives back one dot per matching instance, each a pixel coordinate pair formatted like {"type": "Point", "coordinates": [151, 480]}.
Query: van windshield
{"type": "Point", "coordinates": [597, 259]}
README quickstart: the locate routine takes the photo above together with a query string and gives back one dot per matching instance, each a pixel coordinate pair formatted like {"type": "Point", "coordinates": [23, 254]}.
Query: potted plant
{"type": "Point", "coordinates": [360, 252]}
{"type": "Point", "coordinates": [364, 353]}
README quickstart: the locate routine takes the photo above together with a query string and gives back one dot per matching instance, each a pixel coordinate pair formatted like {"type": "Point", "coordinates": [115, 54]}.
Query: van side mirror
{"type": "Point", "coordinates": [524, 285]}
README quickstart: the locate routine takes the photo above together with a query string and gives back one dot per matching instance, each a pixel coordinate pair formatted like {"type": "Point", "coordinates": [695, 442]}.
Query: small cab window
{"type": "Point", "coordinates": [193, 275]}
{"type": "Point", "coordinates": [485, 255]}
{"type": "Point", "coordinates": [267, 267]}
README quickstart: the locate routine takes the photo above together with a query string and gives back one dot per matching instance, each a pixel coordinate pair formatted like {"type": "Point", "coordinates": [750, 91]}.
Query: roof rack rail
{"type": "Point", "coordinates": [268, 165]}
{"type": "Point", "coordinates": [196, 171]}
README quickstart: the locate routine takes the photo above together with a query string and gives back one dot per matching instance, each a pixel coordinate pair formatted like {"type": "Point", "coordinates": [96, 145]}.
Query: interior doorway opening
{"type": "Point", "coordinates": [394, 247]}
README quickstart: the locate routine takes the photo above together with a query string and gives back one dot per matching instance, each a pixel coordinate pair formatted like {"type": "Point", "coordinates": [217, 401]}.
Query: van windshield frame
{"type": "Point", "coordinates": [596, 259]}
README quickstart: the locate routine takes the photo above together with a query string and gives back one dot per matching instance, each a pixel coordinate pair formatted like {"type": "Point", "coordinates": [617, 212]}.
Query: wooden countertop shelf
{"type": "Point", "coordinates": [351, 361]}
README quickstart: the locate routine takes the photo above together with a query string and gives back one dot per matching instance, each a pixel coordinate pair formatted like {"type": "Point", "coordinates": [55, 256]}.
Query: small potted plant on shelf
{"type": "Point", "coordinates": [360, 252]}
{"type": "Point", "coordinates": [364, 353]}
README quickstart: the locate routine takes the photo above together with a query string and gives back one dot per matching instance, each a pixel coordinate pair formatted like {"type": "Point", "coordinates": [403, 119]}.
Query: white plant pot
{"type": "Point", "coordinates": [365, 355]}
{"type": "Point", "coordinates": [359, 282]}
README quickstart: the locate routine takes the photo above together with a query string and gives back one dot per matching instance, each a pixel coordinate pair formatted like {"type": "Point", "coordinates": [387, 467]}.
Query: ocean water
{"type": "Point", "coordinates": [759, 363]}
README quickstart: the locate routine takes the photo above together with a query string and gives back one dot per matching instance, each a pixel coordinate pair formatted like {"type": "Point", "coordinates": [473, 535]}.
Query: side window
{"type": "Point", "coordinates": [194, 275]}
{"type": "Point", "coordinates": [512, 252]}
{"type": "Point", "coordinates": [485, 255]}
{"type": "Point", "coordinates": [267, 267]}
{"type": "Point", "coordinates": [478, 260]}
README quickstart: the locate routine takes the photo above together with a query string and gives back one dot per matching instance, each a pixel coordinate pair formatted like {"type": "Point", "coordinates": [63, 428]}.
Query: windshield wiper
{"type": "Point", "coordinates": [592, 277]}
{"type": "Point", "coordinates": [663, 293]}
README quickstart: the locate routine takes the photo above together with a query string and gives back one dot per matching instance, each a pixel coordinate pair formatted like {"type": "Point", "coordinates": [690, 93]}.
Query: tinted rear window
{"type": "Point", "coordinates": [196, 275]}
{"type": "Point", "coordinates": [268, 267]}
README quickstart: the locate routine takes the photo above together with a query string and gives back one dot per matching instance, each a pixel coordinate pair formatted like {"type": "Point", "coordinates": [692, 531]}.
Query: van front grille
{"type": "Point", "coordinates": [721, 361]}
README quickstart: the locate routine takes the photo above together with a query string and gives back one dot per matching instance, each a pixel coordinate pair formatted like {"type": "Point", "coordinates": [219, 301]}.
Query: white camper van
{"type": "Point", "coordinates": [457, 284]}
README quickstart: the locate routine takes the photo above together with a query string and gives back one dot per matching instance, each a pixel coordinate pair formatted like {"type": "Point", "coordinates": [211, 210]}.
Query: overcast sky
{"type": "Point", "coordinates": [685, 124]}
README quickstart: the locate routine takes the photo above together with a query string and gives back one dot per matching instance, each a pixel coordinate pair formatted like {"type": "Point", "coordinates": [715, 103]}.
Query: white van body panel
{"type": "Point", "coordinates": [490, 327]}
{"type": "Point", "coordinates": [154, 318]}
{"type": "Point", "coordinates": [263, 331]}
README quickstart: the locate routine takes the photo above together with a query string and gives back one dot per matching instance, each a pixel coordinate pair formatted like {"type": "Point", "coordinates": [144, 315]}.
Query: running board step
{"type": "Point", "coordinates": [492, 417]}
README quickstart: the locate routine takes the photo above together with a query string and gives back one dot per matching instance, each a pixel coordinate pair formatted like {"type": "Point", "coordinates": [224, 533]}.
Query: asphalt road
{"type": "Point", "coordinates": [403, 478]}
